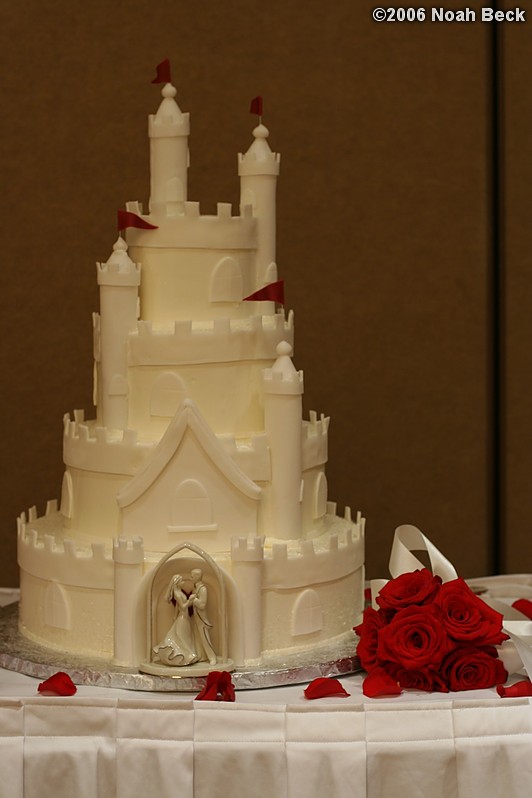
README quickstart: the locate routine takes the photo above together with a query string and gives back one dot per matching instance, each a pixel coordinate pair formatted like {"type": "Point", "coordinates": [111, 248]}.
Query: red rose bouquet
{"type": "Point", "coordinates": [428, 635]}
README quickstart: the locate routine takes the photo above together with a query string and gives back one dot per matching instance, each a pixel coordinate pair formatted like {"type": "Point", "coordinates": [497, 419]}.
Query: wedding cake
{"type": "Point", "coordinates": [194, 528]}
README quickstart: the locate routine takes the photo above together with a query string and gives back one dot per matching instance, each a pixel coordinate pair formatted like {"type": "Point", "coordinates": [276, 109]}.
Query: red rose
{"type": "Point", "coordinates": [472, 668]}
{"type": "Point", "coordinates": [467, 618]}
{"type": "Point", "coordinates": [414, 638]}
{"type": "Point", "coordinates": [427, 680]}
{"type": "Point", "coordinates": [417, 587]}
{"type": "Point", "coordinates": [368, 632]}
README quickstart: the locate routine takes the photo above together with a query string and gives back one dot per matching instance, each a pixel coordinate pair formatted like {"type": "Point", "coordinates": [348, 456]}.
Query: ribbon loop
{"type": "Point", "coordinates": [409, 538]}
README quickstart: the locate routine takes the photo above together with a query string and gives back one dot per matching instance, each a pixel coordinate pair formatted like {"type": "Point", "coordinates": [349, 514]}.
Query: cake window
{"type": "Point", "coordinates": [320, 496]}
{"type": "Point", "coordinates": [307, 616]}
{"type": "Point", "coordinates": [226, 282]}
{"type": "Point", "coordinates": [168, 393]}
{"type": "Point", "coordinates": [191, 507]}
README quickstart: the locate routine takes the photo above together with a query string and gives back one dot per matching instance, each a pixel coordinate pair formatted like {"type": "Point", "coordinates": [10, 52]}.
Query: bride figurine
{"type": "Point", "coordinates": [177, 648]}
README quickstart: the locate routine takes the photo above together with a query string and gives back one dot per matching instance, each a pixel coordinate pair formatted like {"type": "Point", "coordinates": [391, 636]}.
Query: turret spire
{"type": "Point", "coordinates": [169, 129]}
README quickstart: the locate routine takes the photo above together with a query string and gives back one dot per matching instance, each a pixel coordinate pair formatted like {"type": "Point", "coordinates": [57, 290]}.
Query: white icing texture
{"type": "Point", "coordinates": [199, 456]}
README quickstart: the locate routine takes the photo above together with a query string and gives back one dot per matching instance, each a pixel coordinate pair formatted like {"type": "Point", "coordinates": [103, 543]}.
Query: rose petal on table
{"type": "Point", "coordinates": [58, 684]}
{"type": "Point", "coordinates": [378, 683]}
{"type": "Point", "coordinates": [517, 690]}
{"type": "Point", "coordinates": [218, 687]}
{"type": "Point", "coordinates": [323, 686]}
{"type": "Point", "coordinates": [525, 606]}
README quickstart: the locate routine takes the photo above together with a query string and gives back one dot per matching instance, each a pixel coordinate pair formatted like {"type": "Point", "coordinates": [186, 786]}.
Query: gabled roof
{"type": "Point", "coordinates": [186, 417]}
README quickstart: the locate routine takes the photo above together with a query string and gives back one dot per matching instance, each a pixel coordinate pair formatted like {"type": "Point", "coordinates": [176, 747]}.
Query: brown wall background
{"type": "Point", "coordinates": [384, 235]}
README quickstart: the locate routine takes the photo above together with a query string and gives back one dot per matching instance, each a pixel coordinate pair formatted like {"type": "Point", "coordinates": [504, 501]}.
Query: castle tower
{"type": "Point", "coordinates": [118, 280]}
{"type": "Point", "coordinates": [168, 130]}
{"type": "Point", "coordinates": [247, 557]}
{"type": "Point", "coordinates": [258, 169]}
{"type": "Point", "coordinates": [128, 561]}
{"type": "Point", "coordinates": [283, 389]}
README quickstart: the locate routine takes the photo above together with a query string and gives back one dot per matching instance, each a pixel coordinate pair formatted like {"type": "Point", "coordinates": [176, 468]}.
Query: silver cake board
{"type": "Point", "coordinates": [17, 653]}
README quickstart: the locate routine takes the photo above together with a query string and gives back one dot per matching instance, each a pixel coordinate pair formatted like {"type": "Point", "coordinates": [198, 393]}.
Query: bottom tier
{"type": "Point", "coordinates": [186, 608]}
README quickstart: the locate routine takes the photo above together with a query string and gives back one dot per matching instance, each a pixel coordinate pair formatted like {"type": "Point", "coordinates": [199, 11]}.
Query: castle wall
{"type": "Point", "coordinates": [338, 603]}
{"type": "Point", "coordinates": [91, 613]}
{"type": "Point", "coordinates": [237, 409]}
{"type": "Point", "coordinates": [215, 340]}
{"type": "Point", "coordinates": [177, 284]}
{"type": "Point", "coordinates": [94, 508]}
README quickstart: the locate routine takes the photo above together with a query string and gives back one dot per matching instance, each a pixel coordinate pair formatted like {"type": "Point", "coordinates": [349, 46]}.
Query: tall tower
{"type": "Point", "coordinates": [258, 169]}
{"type": "Point", "coordinates": [283, 389]}
{"type": "Point", "coordinates": [168, 130]}
{"type": "Point", "coordinates": [119, 280]}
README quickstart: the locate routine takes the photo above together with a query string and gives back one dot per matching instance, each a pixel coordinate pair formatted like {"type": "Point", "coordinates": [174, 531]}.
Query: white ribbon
{"type": "Point", "coordinates": [408, 539]}
{"type": "Point", "coordinates": [515, 653]}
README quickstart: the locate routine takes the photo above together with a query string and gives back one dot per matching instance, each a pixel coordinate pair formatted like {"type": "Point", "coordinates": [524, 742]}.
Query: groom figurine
{"type": "Point", "coordinates": [201, 621]}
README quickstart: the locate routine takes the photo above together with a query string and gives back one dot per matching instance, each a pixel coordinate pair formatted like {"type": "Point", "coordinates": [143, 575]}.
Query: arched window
{"type": "Point", "coordinates": [67, 496]}
{"type": "Point", "coordinates": [248, 198]}
{"type": "Point", "coordinates": [167, 394]}
{"type": "Point", "coordinates": [320, 495]}
{"type": "Point", "coordinates": [191, 508]}
{"type": "Point", "coordinates": [57, 607]}
{"type": "Point", "coordinates": [226, 281]}
{"type": "Point", "coordinates": [271, 273]}
{"type": "Point", "coordinates": [307, 616]}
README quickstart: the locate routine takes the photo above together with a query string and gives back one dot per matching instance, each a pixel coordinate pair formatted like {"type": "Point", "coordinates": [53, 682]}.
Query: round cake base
{"type": "Point", "coordinates": [17, 653]}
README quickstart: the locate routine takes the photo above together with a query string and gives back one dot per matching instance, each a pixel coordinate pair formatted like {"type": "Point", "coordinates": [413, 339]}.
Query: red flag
{"type": "Point", "coordinates": [256, 106]}
{"type": "Point", "coordinates": [129, 219]}
{"type": "Point", "coordinates": [274, 292]}
{"type": "Point", "coordinates": [163, 72]}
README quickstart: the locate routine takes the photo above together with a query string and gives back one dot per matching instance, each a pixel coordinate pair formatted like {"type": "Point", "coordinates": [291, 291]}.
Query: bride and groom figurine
{"type": "Point", "coordinates": [188, 639]}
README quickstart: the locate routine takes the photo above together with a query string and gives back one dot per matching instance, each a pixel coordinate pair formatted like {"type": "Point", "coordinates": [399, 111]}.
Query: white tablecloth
{"type": "Point", "coordinates": [103, 743]}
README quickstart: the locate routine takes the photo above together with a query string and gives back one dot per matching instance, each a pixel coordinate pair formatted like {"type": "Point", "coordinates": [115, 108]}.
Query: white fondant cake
{"type": "Point", "coordinates": [198, 457]}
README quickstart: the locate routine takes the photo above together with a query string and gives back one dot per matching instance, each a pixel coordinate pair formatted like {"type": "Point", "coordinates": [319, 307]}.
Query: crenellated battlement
{"type": "Point", "coordinates": [337, 552]}
{"type": "Point", "coordinates": [247, 550]}
{"type": "Point", "coordinates": [128, 552]}
{"type": "Point", "coordinates": [215, 341]}
{"type": "Point", "coordinates": [123, 272]}
{"type": "Point", "coordinates": [190, 229]}
{"type": "Point", "coordinates": [315, 426]}
{"type": "Point", "coordinates": [43, 549]}
{"type": "Point", "coordinates": [93, 448]}
{"type": "Point", "coordinates": [315, 433]}
{"type": "Point", "coordinates": [251, 455]}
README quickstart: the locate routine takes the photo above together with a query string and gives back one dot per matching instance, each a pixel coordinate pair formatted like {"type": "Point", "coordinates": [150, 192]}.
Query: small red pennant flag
{"type": "Point", "coordinates": [274, 292]}
{"type": "Point", "coordinates": [129, 219]}
{"type": "Point", "coordinates": [163, 72]}
{"type": "Point", "coordinates": [256, 106]}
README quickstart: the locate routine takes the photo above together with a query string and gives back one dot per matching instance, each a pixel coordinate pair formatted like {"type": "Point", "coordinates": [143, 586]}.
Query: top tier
{"type": "Point", "coordinates": [198, 266]}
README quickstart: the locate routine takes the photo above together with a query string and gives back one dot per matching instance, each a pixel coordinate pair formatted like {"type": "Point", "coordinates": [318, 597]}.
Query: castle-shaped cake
{"type": "Point", "coordinates": [194, 510]}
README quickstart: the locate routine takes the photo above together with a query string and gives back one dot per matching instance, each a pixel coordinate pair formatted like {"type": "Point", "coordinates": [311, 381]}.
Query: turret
{"type": "Point", "coordinates": [283, 389]}
{"type": "Point", "coordinates": [258, 169]}
{"type": "Point", "coordinates": [119, 280]}
{"type": "Point", "coordinates": [168, 129]}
